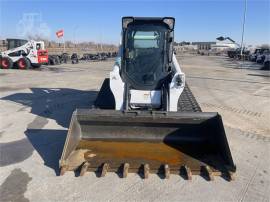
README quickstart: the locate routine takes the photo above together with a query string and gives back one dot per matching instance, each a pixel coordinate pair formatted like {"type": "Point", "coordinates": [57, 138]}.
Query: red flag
{"type": "Point", "coordinates": [60, 33]}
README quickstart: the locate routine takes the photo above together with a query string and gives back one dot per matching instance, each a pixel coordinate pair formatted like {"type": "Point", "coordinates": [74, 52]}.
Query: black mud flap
{"type": "Point", "coordinates": [105, 98]}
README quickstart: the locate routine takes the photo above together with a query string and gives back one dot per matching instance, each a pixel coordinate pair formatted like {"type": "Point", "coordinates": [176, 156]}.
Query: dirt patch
{"type": "Point", "coordinates": [38, 123]}
{"type": "Point", "coordinates": [261, 75]}
{"type": "Point", "coordinates": [14, 152]}
{"type": "Point", "coordinates": [5, 89]}
{"type": "Point", "coordinates": [3, 74]}
{"type": "Point", "coordinates": [15, 186]}
{"type": "Point", "coordinates": [1, 133]}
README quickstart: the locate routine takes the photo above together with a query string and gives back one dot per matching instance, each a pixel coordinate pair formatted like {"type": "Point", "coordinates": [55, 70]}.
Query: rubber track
{"type": "Point", "coordinates": [187, 101]}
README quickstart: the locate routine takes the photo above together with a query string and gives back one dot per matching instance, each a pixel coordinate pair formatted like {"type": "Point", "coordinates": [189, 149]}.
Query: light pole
{"type": "Point", "coordinates": [243, 27]}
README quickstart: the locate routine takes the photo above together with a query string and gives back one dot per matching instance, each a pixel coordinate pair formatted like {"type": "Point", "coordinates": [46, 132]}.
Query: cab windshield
{"type": "Point", "coordinates": [145, 48]}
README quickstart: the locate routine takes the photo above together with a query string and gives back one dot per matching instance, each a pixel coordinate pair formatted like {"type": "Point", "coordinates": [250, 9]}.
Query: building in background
{"type": "Point", "coordinates": [193, 47]}
{"type": "Point", "coordinates": [204, 45]}
{"type": "Point", "coordinates": [184, 47]}
{"type": "Point", "coordinates": [223, 44]}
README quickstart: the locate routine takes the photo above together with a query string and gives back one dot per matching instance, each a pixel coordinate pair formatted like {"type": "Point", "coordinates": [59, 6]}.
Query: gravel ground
{"type": "Point", "coordinates": [36, 106]}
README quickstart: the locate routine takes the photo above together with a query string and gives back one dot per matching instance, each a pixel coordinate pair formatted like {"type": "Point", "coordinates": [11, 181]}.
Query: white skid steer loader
{"type": "Point", "coordinates": [31, 54]}
{"type": "Point", "coordinates": [145, 118]}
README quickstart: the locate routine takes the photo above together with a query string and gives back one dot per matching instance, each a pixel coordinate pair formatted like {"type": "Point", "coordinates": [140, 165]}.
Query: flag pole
{"type": "Point", "coordinates": [64, 44]}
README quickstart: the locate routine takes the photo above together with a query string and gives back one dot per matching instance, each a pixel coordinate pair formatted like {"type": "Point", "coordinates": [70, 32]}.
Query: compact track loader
{"type": "Point", "coordinates": [145, 118]}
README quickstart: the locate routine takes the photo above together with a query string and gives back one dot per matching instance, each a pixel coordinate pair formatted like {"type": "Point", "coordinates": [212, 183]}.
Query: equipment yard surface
{"type": "Point", "coordinates": [36, 107]}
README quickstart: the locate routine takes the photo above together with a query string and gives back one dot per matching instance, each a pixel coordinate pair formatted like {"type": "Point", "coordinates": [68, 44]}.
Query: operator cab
{"type": "Point", "coordinates": [14, 43]}
{"type": "Point", "coordinates": [147, 52]}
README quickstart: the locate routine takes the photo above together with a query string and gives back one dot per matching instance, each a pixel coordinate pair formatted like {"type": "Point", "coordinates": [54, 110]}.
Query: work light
{"type": "Point", "coordinates": [126, 21]}
{"type": "Point", "coordinates": [169, 21]}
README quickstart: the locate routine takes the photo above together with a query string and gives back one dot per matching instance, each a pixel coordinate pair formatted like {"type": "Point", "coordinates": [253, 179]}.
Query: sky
{"type": "Point", "coordinates": [100, 21]}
